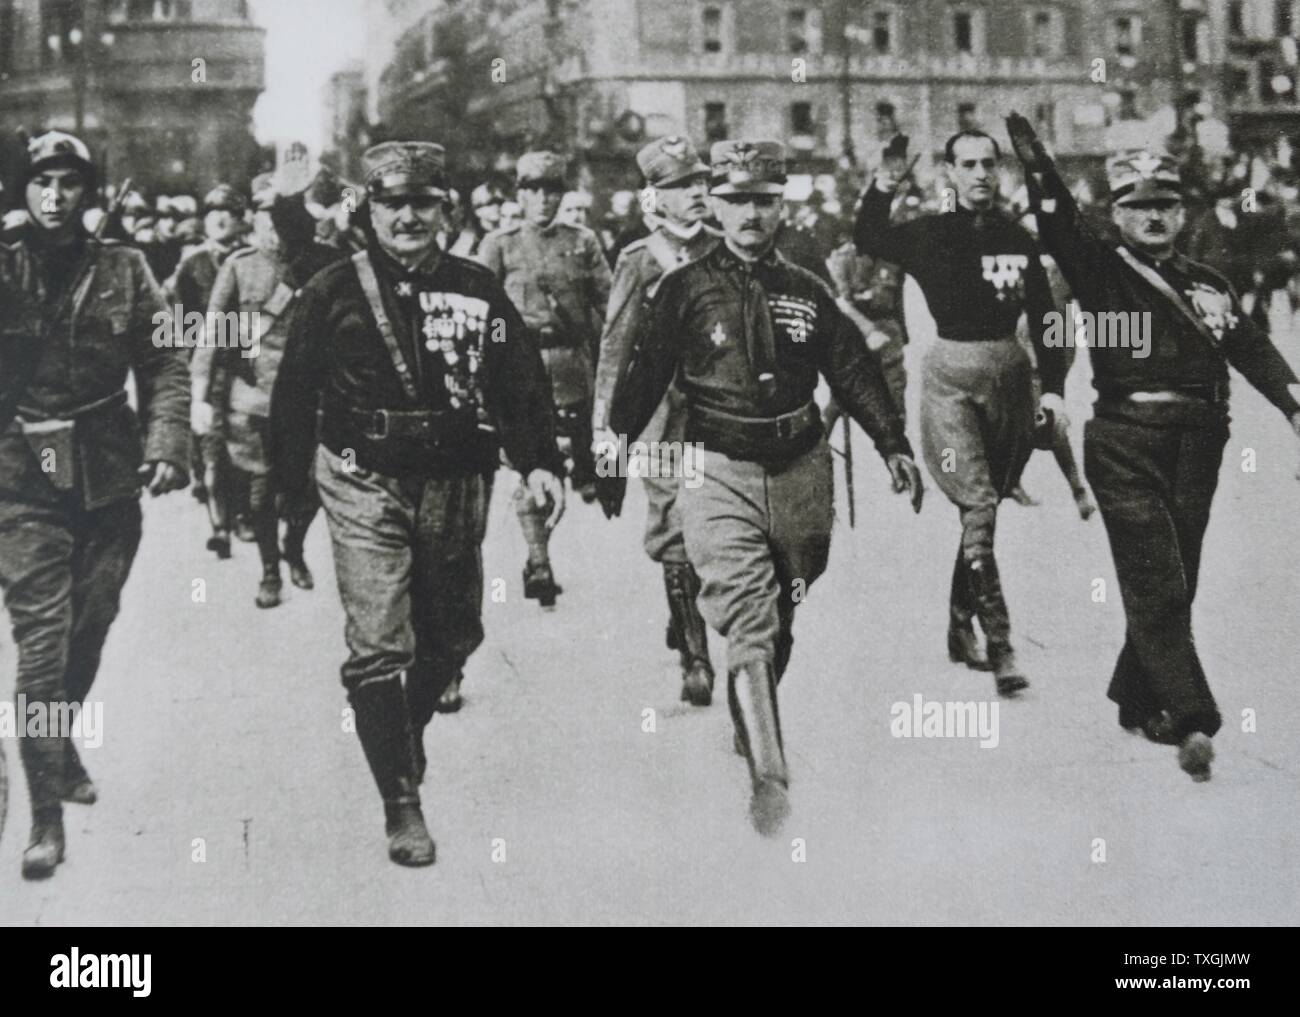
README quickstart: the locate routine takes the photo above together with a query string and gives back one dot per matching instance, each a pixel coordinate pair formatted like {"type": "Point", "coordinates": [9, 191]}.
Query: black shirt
{"type": "Point", "coordinates": [979, 271]}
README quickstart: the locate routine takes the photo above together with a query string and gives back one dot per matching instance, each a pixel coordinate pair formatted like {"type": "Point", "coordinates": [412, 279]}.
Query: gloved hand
{"type": "Point", "coordinates": [906, 477]}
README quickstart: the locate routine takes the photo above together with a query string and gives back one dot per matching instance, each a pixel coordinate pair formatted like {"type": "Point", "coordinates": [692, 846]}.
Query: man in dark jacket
{"type": "Point", "coordinates": [423, 371]}
{"type": "Point", "coordinates": [1154, 446]}
{"type": "Point", "coordinates": [80, 314]}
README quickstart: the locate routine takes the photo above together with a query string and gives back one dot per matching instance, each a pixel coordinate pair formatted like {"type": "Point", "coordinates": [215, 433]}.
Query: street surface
{"type": "Point", "coordinates": [231, 793]}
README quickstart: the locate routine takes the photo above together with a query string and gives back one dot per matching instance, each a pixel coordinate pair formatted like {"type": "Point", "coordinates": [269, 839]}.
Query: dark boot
{"type": "Point", "coordinates": [268, 591]}
{"type": "Point", "coordinates": [299, 574]}
{"type": "Point", "coordinates": [219, 544]}
{"type": "Point", "coordinates": [45, 848]}
{"type": "Point", "coordinates": [963, 644]}
{"type": "Point", "coordinates": [682, 586]}
{"type": "Point", "coordinates": [384, 728]}
{"type": "Point", "coordinates": [77, 785]}
{"type": "Point", "coordinates": [450, 701]}
{"type": "Point", "coordinates": [751, 694]}
{"type": "Point", "coordinates": [540, 584]}
{"type": "Point", "coordinates": [986, 587]}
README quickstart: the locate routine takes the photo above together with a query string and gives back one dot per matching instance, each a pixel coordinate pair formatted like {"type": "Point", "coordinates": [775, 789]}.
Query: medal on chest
{"type": "Point", "coordinates": [453, 326]}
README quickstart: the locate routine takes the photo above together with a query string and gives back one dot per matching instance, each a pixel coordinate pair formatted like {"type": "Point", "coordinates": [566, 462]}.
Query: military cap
{"type": "Point", "coordinates": [263, 188]}
{"type": "Point", "coordinates": [1143, 176]}
{"type": "Point", "coordinates": [224, 198]}
{"type": "Point", "coordinates": [747, 167]}
{"type": "Point", "coordinates": [55, 149]}
{"type": "Point", "coordinates": [406, 169]}
{"type": "Point", "coordinates": [539, 167]}
{"type": "Point", "coordinates": [669, 161]}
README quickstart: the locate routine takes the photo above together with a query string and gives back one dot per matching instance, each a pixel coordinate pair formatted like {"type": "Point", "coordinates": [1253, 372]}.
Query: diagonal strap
{"type": "Point", "coordinates": [370, 287]}
{"type": "Point", "coordinates": [1169, 293]}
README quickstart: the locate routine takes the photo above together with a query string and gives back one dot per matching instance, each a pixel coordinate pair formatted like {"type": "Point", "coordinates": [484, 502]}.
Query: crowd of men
{"type": "Point", "coordinates": [409, 343]}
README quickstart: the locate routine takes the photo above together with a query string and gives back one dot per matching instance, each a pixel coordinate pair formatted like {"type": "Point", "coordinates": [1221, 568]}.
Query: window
{"type": "Point", "coordinates": [58, 19]}
{"type": "Point", "coordinates": [1045, 120]}
{"type": "Point", "coordinates": [1236, 18]}
{"type": "Point", "coordinates": [796, 30]}
{"type": "Point", "coordinates": [1190, 32]}
{"type": "Point", "coordinates": [6, 36]}
{"type": "Point", "coordinates": [1238, 83]}
{"type": "Point", "coordinates": [801, 118]}
{"type": "Point", "coordinates": [1283, 18]}
{"type": "Point", "coordinates": [1128, 105]}
{"type": "Point", "coordinates": [715, 121]}
{"type": "Point", "coordinates": [882, 34]}
{"type": "Point", "coordinates": [1127, 31]}
{"type": "Point", "coordinates": [966, 117]}
{"type": "Point", "coordinates": [712, 30]}
{"type": "Point", "coordinates": [963, 33]}
{"type": "Point", "coordinates": [1046, 33]}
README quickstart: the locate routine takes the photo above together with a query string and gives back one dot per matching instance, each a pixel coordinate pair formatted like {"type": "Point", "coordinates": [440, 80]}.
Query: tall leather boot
{"type": "Point", "coordinates": [751, 694]}
{"type": "Point", "coordinates": [986, 586]}
{"type": "Point", "coordinates": [963, 644]}
{"type": "Point", "coordinates": [384, 728]}
{"type": "Point", "coordinates": [539, 580]}
{"type": "Point", "coordinates": [682, 586]}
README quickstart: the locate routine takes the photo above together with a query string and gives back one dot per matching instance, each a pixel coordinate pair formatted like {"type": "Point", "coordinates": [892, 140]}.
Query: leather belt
{"type": "Point", "coordinates": [381, 424]}
{"type": "Point", "coordinates": [108, 402]}
{"type": "Point", "coordinates": [1215, 394]}
{"type": "Point", "coordinates": [760, 430]}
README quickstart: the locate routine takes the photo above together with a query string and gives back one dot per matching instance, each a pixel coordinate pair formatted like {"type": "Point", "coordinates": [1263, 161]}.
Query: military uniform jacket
{"type": "Point", "coordinates": [638, 268]}
{"type": "Point", "coordinates": [1180, 356]}
{"type": "Point", "coordinates": [710, 322]}
{"type": "Point", "coordinates": [463, 347]}
{"type": "Point", "coordinates": [254, 284]}
{"type": "Point", "coordinates": [117, 321]}
{"type": "Point", "coordinates": [557, 277]}
{"type": "Point", "coordinates": [191, 284]}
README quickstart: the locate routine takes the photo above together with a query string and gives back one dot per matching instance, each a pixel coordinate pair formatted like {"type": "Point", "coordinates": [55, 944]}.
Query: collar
{"type": "Point", "coordinates": [398, 272]}
{"type": "Point", "coordinates": [729, 259]}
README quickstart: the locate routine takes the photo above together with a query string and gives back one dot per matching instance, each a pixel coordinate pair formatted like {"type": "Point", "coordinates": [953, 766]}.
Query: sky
{"type": "Point", "coordinates": [306, 42]}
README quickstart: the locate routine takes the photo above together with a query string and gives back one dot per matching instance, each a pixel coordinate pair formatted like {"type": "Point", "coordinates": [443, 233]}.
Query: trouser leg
{"type": "Point", "coordinates": [37, 544]}
{"type": "Point", "coordinates": [1154, 487]}
{"type": "Point", "coordinates": [266, 523]}
{"type": "Point", "coordinates": [446, 590]}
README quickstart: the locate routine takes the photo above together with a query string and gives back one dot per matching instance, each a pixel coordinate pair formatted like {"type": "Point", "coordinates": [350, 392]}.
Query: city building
{"type": "Point", "coordinates": [162, 90]}
{"type": "Point", "coordinates": [346, 126]}
{"type": "Point", "coordinates": [830, 78]}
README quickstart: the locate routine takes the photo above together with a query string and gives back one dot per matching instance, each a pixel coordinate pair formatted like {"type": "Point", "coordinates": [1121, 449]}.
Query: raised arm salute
{"type": "Point", "coordinates": [979, 272]}
{"type": "Point", "coordinates": [1152, 451]}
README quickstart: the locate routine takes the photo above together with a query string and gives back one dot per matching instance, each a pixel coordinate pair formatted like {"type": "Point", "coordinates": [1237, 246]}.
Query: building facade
{"type": "Point", "coordinates": [599, 76]}
{"type": "Point", "coordinates": [346, 126]}
{"type": "Point", "coordinates": [162, 90]}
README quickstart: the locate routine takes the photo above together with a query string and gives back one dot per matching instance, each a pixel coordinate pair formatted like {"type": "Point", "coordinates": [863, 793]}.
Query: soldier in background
{"type": "Point", "coordinates": [396, 347]}
{"type": "Point", "coordinates": [190, 286]}
{"type": "Point", "coordinates": [556, 275]}
{"type": "Point", "coordinates": [80, 314]}
{"type": "Point", "coordinates": [260, 284]}
{"type": "Point", "coordinates": [678, 183]}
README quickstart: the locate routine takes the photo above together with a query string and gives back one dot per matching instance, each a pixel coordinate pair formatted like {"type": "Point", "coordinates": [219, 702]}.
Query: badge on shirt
{"type": "Point", "coordinates": [795, 314]}
{"type": "Point", "coordinates": [1005, 271]}
{"type": "Point", "coordinates": [452, 322]}
{"type": "Point", "coordinates": [1214, 307]}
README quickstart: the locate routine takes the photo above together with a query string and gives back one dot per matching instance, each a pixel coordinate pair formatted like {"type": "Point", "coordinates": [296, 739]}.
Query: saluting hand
{"type": "Point", "coordinates": [906, 477]}
{"type": "Point", "coordinates": [1025, 142]}
{"type": "Point", "coordinates": [162, 477]}
{"type": "Point", "coordinates": [546, 488]}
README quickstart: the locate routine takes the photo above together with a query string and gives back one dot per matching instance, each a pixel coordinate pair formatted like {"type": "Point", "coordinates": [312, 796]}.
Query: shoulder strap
{"type": "Point", "coordinates": [1169, 293]}
{"type": "Point", "coordinates": [370, 287]}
